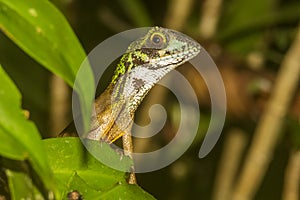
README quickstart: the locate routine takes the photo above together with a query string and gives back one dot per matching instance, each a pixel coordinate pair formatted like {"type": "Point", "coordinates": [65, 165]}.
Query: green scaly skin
{"type": "Point", "coordinates": [145, 62]}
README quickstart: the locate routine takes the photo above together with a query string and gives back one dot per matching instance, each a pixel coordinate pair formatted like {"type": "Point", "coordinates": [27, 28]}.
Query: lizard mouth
{"type": "Point", "coordinates": [175, 58]}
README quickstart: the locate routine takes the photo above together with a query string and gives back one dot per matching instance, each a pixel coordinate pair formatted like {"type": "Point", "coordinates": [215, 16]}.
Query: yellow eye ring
{"type": "Point", "coordinates": [157, 39]}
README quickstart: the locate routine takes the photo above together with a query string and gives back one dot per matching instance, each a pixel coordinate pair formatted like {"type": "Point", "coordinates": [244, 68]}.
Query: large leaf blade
{"type": "Point", "coordinates": [75, 169]}
{"type": "Point", "coordinates": [20, 138]}
{"type": "Point", "coordinates": [42, 32]}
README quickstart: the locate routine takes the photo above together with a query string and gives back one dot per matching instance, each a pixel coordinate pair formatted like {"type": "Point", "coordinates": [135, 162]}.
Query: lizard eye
{"type": "Point", "coordinates": [158, 40]}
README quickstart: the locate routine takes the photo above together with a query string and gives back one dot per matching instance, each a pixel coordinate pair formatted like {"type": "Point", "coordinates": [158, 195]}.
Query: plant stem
{"type": "Point", "coordinates": [231, 158]}
{"type": "Point", "coordinates": [292, 178]}
{"type": "Point", "coordinates": [210, 17]}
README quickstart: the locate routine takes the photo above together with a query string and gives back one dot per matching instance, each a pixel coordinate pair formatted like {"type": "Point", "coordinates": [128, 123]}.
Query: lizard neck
{"type": "Point", "coordinates": [131, 87]}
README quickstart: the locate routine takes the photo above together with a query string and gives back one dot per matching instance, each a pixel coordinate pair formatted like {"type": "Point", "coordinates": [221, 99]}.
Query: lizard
{"type": "Point", "coordinates": [146, 61]}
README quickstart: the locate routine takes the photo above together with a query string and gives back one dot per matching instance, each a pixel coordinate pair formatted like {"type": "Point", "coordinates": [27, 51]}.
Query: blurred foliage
{"type": "Point", "coordinates": [263, 27]}
{"type": "Point", "coordinates": [253, 25]}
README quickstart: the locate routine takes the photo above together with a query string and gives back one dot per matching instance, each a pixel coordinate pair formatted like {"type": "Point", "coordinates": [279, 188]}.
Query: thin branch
{"type": "Point", "coordinates": [292, 178]}
{"type": "Point", "coordinates": [270, 125]}
{"type": "Point", "coordinates": [59, 101]}
{"type": "Point", "coordinates": [231, 158]}
{"type": "Point", "coordinates": [210, 18]}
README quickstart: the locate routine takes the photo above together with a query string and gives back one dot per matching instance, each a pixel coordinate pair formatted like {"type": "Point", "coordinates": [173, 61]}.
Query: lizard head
{"type": "Point", "coordinates": [160, 50]}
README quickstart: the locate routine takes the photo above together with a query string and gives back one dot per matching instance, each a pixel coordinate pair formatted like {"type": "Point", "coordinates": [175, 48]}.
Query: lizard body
{"type": "Point", "coordinates": [145, 62]}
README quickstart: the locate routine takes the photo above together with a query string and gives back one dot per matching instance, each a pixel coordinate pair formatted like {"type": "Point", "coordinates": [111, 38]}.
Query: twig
{"type": "Point", "coordinates": [59, 101]}
{"type": "Point", "coordinates": [269, 127]}
{"type": "Point", "coordinates": [210, 17]}
{"type": "Point", "coordinates": [230, 161]}
{"type": "Point", "coordinates": [292, 178]}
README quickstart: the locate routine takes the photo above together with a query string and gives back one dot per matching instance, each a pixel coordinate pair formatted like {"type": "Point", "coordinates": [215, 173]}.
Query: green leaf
{"type": "Point", "coordinates": [20, 138]}
{"type": "Point", "coordinates": [127, 192]}
{"type": "Point", "coordinates": [39, 28]}
{"type": "Point", "coordinates": [21, 186]}
{"type": "Point", "coordinates": [76, 169]}
{"type": "Point", "coordinates": [43, 33]}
